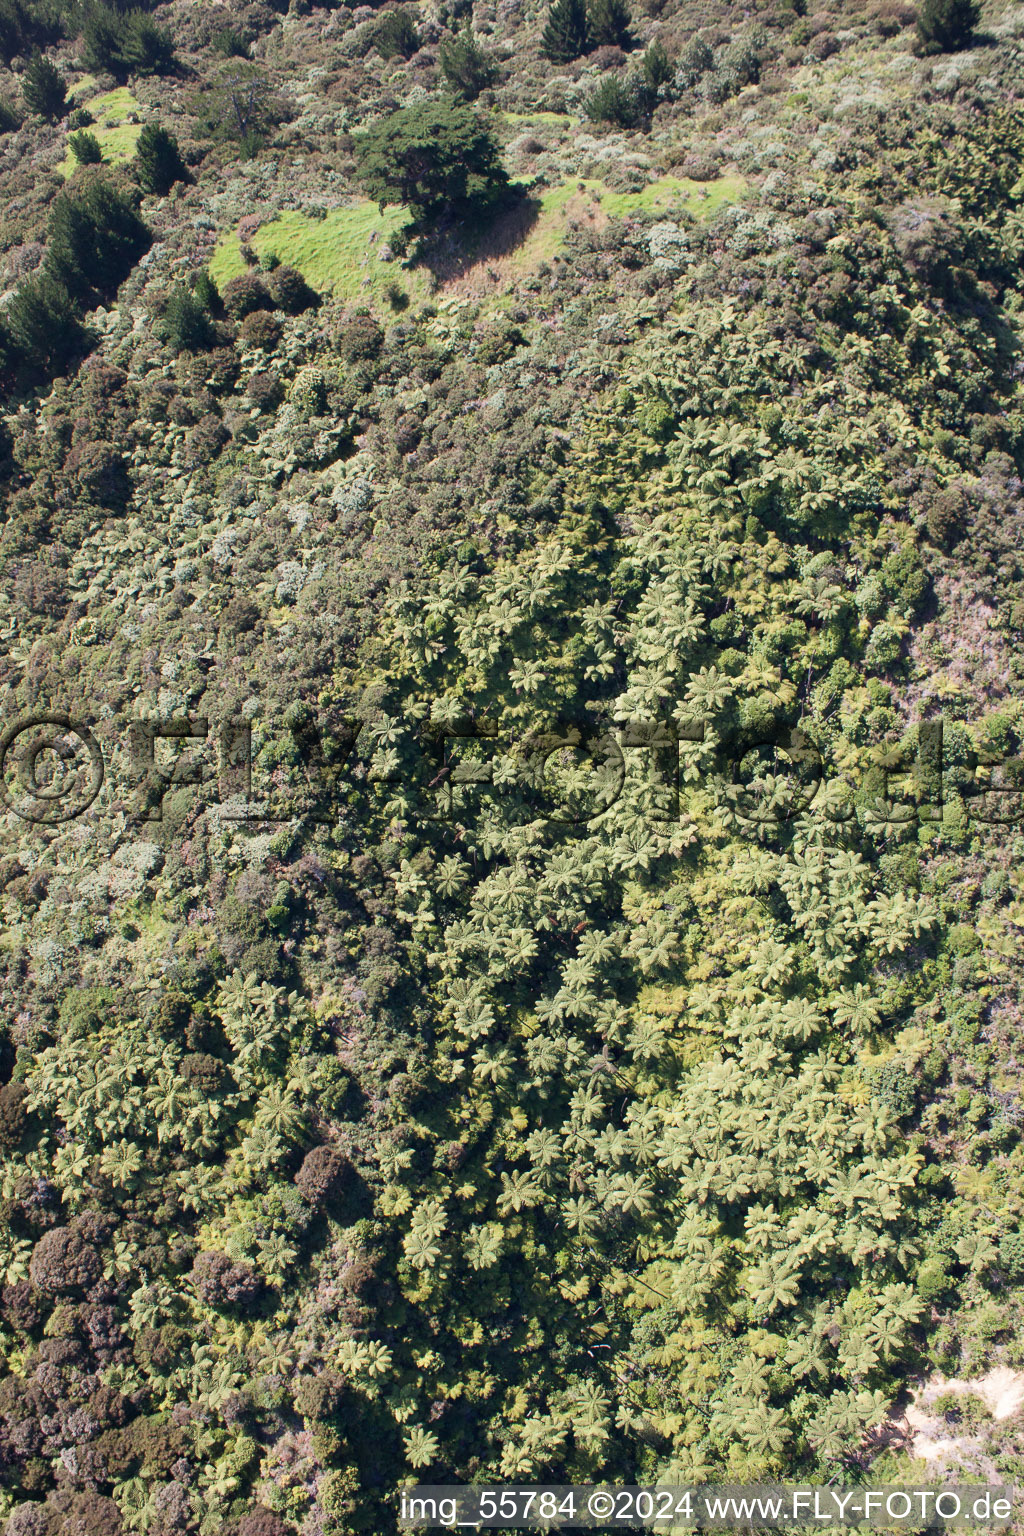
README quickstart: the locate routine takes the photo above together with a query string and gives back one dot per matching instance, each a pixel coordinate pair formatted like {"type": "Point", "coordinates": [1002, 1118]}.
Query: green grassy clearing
{"type": "Point", "coordinates": [117, 139]}
{"type": "Point", "coordinates": [335, 254]}
{"type": "Point", "coordinates": [669, 194]}
{"type": "Point", "coordinates": [544, 119]}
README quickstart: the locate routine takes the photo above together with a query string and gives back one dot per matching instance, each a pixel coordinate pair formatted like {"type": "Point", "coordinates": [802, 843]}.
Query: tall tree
{"type": "Point", "coordinates": [437, 157]}
{"type": "Point", "coordinates": [158, 160]}
{"type": "Point", "coordinates": [44, 89]}
{"type": "Point", "coordinates": [609, 23]}
{"type": "Point", "coordinates": [566, 33]}
{"type": "Point", "coordinates": [467, 69]}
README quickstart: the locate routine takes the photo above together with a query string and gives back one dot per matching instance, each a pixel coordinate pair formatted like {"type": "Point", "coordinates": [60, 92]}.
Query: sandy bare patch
{"type": "Point", "coordinates": [928, 1437]}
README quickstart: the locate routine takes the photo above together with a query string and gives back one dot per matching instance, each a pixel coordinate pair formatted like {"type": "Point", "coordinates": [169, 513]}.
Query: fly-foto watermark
{"type": "Point", "coordinates": [52, 769]}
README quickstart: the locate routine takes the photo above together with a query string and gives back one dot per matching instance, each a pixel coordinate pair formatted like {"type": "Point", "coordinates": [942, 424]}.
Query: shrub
{"type": "Point", "coordinates": [436, 157]}
{"type": "Point", "coordinates": [319, 1397]}
{"type": "Point", "coordinates": [290, 291]}
{"type": "Point", "coordinates": [86, 148]}
{"type": "Point", "coordinates": [63, 1263]}
{"type": "Point", "coordinates": [260, 330]}
{"type": "Point", "coordinates": [740, 59]}
{"type": "Point", "coordinates": [1011, 1255]}
{"type": "Point", "coordinates": [360, 337]}
{"type": "Point", "coordinates": [309, 391]}
{"type": "Point", "coordinates": [944, 26]}
{"type": "Point", "coordinates": [319, 1175]}
{"type": "Point", "coordinates": [230, 43]}
{"type": "Point", "coordinates": [185, 323]}
{"type": "Point", "coordinates": [221, 1282]}
{"type": "Point", "coordinates": [43, 88]}
{"type": "Point", "coordinates": [466, 68]}
{"type": "Point", "coordinates": [99, 473]}
{"type": "Point", "coordinates": [266, 392]}
{"type": "Point", "coordinates": [261, 1522]}
{"type": "Point", "coordinates": [158, 160]}
{"type": "Point", "coordinates": [19, 1307]}
{"type": "Point", "coordinates": [244, 295]}
{"type": "Point", "coordinates": [933, 1279]}
{"type": "Point", "coordinates": [695, 60]}
{"type": "Point", "coordinates": [13, 1117]}
{"type": "Point", "coordinates": [206, 439]}
{"type": "Point", "coordinates": [397, 35]}
{"type": "Point", "coordinates": [566, 33]}
{"type": "Point", "coordinates": [615, 101]}
{"type": "Point", "coordinates": [9, 116]}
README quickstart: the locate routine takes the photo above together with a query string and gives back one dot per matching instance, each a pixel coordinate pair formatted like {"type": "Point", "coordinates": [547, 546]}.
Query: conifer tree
{"type": "Point", "coordinates": [85, 147]}
{"type": "Point", "coordinates": [944, 26]}
{"type": "Point", "coordinates": [566, 34]}
{"type": "Point", "coordinates": [43, 88]}
{"type": "Point", "coordinates": [158, 160]}
{"type": "Point", "coordinates": [609, 24]}
{"type": "Point", "coordinates": [467, 69]}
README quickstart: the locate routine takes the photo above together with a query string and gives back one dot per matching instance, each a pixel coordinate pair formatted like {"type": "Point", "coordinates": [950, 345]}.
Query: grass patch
{"type": "Point", "coordinates": [592, 201]}
{"type": "Point", "coordinates": [117, 139]}
{"type": "Point", "coordinates": [673, 194]}
{"type": "Point", "coordinates": [112, 106]}
{"type": "Point", "coordinates": [544, 119]}
{"type": "Point", "coordinates": [338, 254]}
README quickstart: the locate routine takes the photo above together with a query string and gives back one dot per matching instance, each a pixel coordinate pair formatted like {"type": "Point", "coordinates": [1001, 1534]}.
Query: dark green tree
{"type": "Point", "coordinates": [437, 158]}
{"type": "Point", "coordinates": [657, 67]}
{"type": "Point", "coordinates": [103, 36]}
{"type": "Point", "coordinates": [616, 101]}
{"type": "Point", "coordinates": [158, 160]}
{"type": "Point", "coordinates": [9, 117]}
{"type": "Point", "coordinates": [207, 293]}
{"type": "Point", "coordinates": [566, 34]}
{"type": "Point", "coordinates": [44, 89]}
{"type": "Point", "coordinates": [43, 324]}
{"type": "Point", "coordinates": [26, 25]}
{"type": "Point", "coordinates": [467, 69]}
{"type": "Point", "coordinates": [397, 35]}
{"type": "Point", "coordinates": [125, 43]}
{"type": "Point", "coordinates": [185, 322]}
{"type": "Point", "coordinates": [944, 26]}
{"type": "Point", "coordinates": [609, 24]}
{"type": "Point", "coordinates": [85, 147]}
{"type": "Point", "coordinates": [93, 236]}
{"type": "Point", "coordinates": [148, 49]}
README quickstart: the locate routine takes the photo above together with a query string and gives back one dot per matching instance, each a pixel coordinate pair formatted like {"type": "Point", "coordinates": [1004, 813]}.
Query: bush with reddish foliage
{"type": "Point", "coordinates": [13, 1115]}
{"type": "Point", "coordinates": [359, 337]}
{"type": "Point", "coordinates": [19, 1307]}
{"type": "Point", "coordinates": [260, 330]}
{"type": "Point", "coordinates": [290, 290]}
{"type": "Point", "coordinates": [221, 1282]}
{"type": "Point", "coordinates": [320, 1174]}
{"type": "Point", "coordinates": [64, 1263]}
{"type": "Point", "coordinates": [245, 295]}
{"type": "Point", "coordinates": [262, 1522]}
{"type": "Point", "coordinates": [265, 390]}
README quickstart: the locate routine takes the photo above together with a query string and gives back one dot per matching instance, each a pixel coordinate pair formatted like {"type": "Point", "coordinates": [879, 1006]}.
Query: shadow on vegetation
{"type": "Point", "coordinates": [459, 250]}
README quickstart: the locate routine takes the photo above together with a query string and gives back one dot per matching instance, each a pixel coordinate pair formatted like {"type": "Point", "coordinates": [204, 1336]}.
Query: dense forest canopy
{"type": "Point", "coordinates": [512, 531]}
